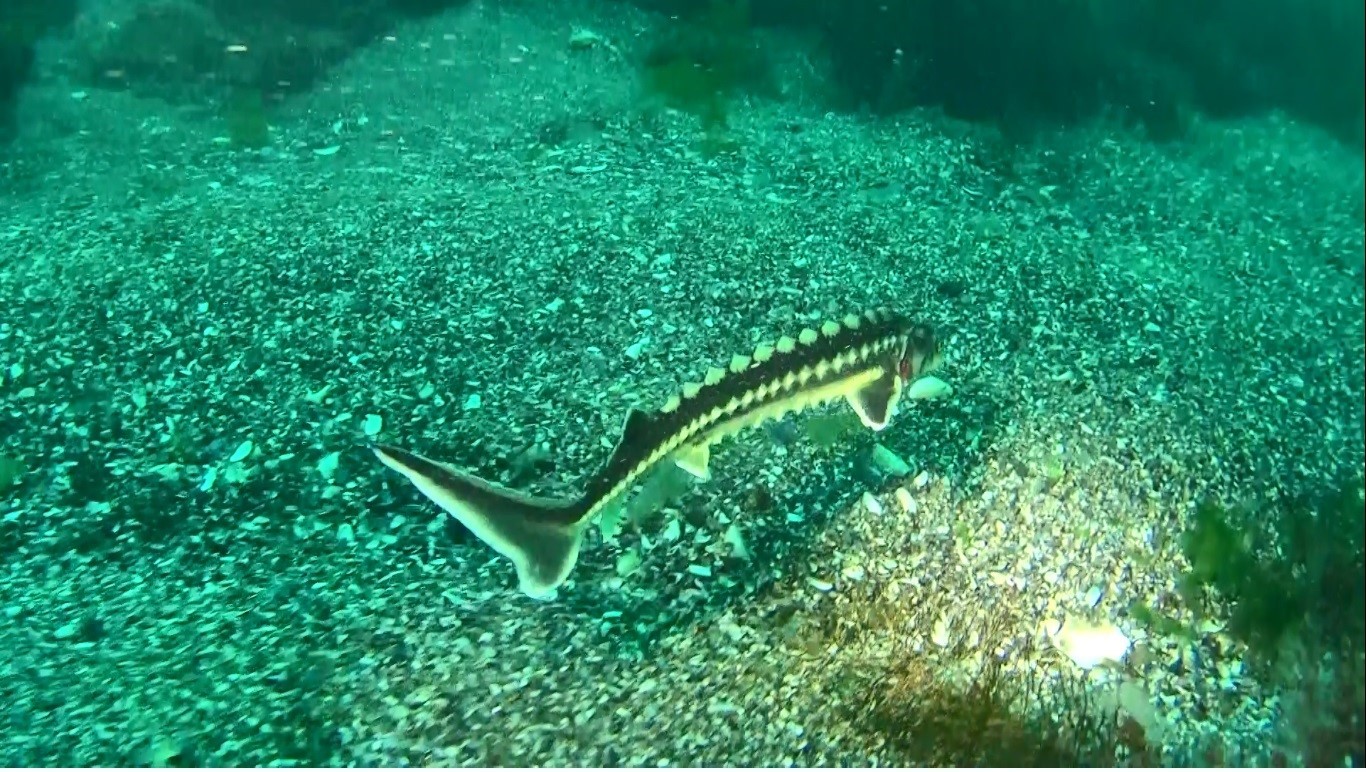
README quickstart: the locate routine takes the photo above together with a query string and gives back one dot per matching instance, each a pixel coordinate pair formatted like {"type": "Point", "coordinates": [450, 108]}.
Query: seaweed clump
{"type": "Point", "coordinates": [992, 718]}
{"type": "Point", "coordinates": [1293, 578]}
{"type": "Point", "coordinates": [1284, 572]}
{"type": "Point", "coordinates": [698, 65]}
{"type": "Point", "coordinates": [244, 113]}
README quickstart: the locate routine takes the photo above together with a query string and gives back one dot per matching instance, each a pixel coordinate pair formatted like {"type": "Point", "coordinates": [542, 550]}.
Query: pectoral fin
{"type": "Point", "coordinates": [694, 459]}
{"type": "Point", "coordinates": [875, 402]}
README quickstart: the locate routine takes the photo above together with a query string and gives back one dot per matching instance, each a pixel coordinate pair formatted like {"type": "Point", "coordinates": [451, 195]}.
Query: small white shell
{"type": "Point", "coordinates": [928, 387]}
{"type": "Point", "coordinates": [939, 635]}
{"type": "Point", "coordinates": [1089, 645]}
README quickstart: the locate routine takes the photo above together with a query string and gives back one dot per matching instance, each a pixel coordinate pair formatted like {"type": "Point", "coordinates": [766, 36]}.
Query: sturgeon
{"type": "Point", "coordinates": [865, 359]}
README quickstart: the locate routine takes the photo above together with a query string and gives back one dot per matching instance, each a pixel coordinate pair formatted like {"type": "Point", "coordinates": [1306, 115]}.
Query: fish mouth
{"type": "Point", "coordinates": [921, 354]}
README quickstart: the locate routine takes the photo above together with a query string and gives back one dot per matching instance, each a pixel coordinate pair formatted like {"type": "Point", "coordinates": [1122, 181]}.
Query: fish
{"type": "Point", "coordinates": [864, 359]}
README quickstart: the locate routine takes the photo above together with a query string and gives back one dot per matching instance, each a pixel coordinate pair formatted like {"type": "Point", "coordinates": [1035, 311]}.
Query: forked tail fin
{"type": "Point", "coordinates": [541, 536]}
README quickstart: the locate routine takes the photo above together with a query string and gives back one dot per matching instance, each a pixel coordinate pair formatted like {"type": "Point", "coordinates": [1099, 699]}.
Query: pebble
{"type": "Point", "coordinates": [327, 465]}
{"type": "Point", "coordinates": [1090, 644]}
{"type": "Point", "coordinates": [373, 425]}
{"type": "Point", "coordinates": [906, 501]}
{"type": "Point", "coordinates": [628, 562]}
{"type": "Point", "coordinates": [1093, 596]}
{"type": "Point", "coordinates": [243, 450]}
{"type": "Point", "coordinates": [928, 387]}
{"type": "Point", "coordinates": [889, 462]}
{"type": "Point", "coordinates": [939, 636]}
{"type": "Point", "coordinates": [736, 539]}
{"type": "Point", "coordinates": [672, 531]}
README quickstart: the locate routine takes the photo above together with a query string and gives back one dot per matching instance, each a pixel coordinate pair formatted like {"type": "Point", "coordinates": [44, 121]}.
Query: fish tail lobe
{"type": "Point", "coordinates": [540, 535]}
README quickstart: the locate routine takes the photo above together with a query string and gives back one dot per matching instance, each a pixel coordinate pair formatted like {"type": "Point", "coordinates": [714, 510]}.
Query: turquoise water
{"type": "Point", "coordinates": [243, 246]}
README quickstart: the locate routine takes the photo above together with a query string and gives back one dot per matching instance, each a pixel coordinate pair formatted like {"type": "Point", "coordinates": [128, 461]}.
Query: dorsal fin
{"type": "Point", "coordinates": [635, 427]}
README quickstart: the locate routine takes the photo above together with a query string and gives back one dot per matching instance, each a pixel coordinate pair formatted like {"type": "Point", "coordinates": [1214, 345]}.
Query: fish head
{"type": "Point", "coordinates": [920, 353]}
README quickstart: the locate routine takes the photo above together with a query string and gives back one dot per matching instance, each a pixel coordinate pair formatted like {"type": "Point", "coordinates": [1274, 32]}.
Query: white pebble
{"type": "Point", "coordinates": [373, 425]}
{"type": "Point", "coordinates": [672, 531]}
{"type": "Point", "coordinates": [242, 452]}
{"type": "Point", "coordinates": [327, 465]}
{"type": "Point", "coordinates": [628, 562]}
{"type": "Point", "coordinates": [939, 636]}
{"type": "Point", "coordinates": [890, 462]}
{"type": "Point", "coordinates": [1093, 596]}
{"type": "Point", "coordinates": [906, 501]}
{"type": "Point", "coordinates": [736, 539]}
{"type": "Point", "coordinates": [634, 350]}
{"type": "Point", "coordinates": [928, 387]}
{"type": "Point", "coordinates": [1089, 645]}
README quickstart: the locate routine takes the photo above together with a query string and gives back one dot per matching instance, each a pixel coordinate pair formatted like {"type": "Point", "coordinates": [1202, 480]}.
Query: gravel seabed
{"type": "Point", "coordinates": [483, 236]}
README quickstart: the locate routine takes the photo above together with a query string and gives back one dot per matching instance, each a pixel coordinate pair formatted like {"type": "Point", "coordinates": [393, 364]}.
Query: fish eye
{"type": "Point", "coordinates": [923, 339]}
